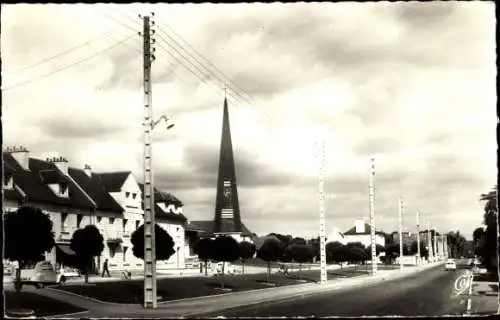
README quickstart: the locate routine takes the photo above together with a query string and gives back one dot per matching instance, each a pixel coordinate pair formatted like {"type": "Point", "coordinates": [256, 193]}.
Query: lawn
{"type": "Point", "coordinates": [43, 306]}
{"type": "Point", "coordinates": [179, 288]}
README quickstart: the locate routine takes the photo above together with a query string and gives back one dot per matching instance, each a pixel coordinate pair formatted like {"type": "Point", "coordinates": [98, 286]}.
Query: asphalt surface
{"type": "Point", "coordinates": [427, 293]}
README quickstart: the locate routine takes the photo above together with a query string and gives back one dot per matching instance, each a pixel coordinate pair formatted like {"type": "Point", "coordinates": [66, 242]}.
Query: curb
{"type": "Point", "coordinates": [66, 315]}
{"type": "Point", "coordinates": [90, 299]}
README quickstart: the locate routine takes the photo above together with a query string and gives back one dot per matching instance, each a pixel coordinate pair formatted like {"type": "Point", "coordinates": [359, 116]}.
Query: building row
{"type": "Point", "coordinates": [75, 198]}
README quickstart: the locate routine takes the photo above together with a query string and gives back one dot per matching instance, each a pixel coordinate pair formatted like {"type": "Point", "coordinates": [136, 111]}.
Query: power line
{"type": "Point", "coordinates": [59, 54]}
{"type": "Point", "coordinates": [207, 60]}
{"type": "Point", "coordinates": [68, 66]}
{"type": "Point", "coordinates": [201, 64]}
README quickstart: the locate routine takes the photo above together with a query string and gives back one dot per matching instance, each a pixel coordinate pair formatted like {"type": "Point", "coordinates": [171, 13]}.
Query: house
{"type": "Point", "coordinates": [75, 198]}
{"type": "Point", "coordinates": [361, 233]}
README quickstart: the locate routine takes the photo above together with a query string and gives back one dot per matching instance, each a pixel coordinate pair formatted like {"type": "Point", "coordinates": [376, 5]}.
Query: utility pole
{"type": "Point", "coordinates": [322, 227]}
{"type": "Point", "coordinates": [434, 245]}
{"type": "Point", "coordinates": [371, 197]}
{"type": "Point", "coordinates": [429, 245]}
{"type": "Point", "coordinates": [150, 299]}
{"type": "Point", "coordinates": [418, 239]}
{"type": "Point", "coordinates": [400, 216]}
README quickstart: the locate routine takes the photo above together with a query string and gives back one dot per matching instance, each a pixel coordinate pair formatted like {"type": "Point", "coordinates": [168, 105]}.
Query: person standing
{"type": "Point", "coordinates": [105, 268]}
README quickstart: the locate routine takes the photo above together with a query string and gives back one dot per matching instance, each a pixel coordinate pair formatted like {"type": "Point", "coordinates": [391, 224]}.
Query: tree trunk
{"type": "Point", "coordinates": [268, 270]}
{"type": "Point", "coordinates": [86, 272]}
{"type": "Point", "coordinates": [300, 266]}
{"type": "Point", "coordinates": [243, 265]}
{"type": "Point", "coordinates": [222, 278]}
{"type": "Point", "coordinates": [206, 264]}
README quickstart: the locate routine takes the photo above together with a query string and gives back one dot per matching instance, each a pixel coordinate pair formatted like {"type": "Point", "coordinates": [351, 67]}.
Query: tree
{"type": "Point", "coordinates": [478, 241]}
{"type": "Point", "coordinates": [336, 253]}
{"type": "Point", "coordinates": [28, 235]}
{"type": "Point", "coordinates": [87, 243]}
{"type": "Point", "coordinates": [315, 244]}
{"type": "Point", "coordinates": [271, 250]}
{"type": "Point", "coordinates": [355, 254]}
{"type": "Point", "coordinates": [490, 248]}
{"type": "Point", "coordinates": [203, 248]}
{"type": "Point", "coordinates": [456, 242]}
{"type": "Point", "coordinates": [300, 253]}
{"type": "Point", "coordinates": [164, 244]}
{"type": "Point", "coordinates": [424, 253]}
{"type": "Point", "coordinates": [225, 249]}
{"type": "Point", "coordinates": [247, 251]}
{"type": "Point", "coordinates": [299, 240]}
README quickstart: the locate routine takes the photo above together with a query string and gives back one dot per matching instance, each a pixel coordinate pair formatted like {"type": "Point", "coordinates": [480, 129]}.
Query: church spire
{"type": "Point", "coordinates": [227, 208]}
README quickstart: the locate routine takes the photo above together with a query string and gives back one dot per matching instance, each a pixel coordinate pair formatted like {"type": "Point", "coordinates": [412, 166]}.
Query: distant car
{"type": "Point", "coordinates": [450, 265]}
{"type": "Point", "coordinates": [43, 274]}
{"type": "Point", "coordinates": [228, 268]}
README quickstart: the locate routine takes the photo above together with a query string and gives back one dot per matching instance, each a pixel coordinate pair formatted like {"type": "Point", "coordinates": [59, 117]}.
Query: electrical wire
{"type": "Point", "coordinates": [68, 66]}
{"type": "Point", "coordinates": [33, 65]}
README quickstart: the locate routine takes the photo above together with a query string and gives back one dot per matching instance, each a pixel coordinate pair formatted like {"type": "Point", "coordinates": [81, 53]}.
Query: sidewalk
{"type": "Point", "coordinates": [484, 298]}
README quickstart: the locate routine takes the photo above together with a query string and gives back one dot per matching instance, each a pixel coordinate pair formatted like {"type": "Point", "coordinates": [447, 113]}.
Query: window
{"type": "Point", "coordinates": [124, 224]}
{"type": "Point", "coordinates": [63, 189]}
{"type": "Point", "coordinates": [137, 223]}
{"type": "Point", "coordinates": [64, 216]}
{"type": "Point", "coordinates": [127, 194]}
{"type": "Point", "coordinates": [79, 218]}
{"type": "Point", "coordinates": [111, 220]}
{"type": "Point", "coordinates": [99, 219]}
{"type": "Point", "coordinates": [124, 253]}
{"type": "Point", "coordinates": [134, 195]}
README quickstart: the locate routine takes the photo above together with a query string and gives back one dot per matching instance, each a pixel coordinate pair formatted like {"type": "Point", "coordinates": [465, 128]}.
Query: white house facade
{"type": "Point", "coordinates": [361, 233]}
{"type": "Point", "coordinates": [75, 198]}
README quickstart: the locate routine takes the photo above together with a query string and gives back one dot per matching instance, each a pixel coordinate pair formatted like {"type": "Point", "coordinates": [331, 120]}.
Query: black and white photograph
{"type": "Point", "coordinates": [185, 160]}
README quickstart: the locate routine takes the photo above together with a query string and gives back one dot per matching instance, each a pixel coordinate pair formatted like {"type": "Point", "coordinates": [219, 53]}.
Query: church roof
{"type": "Point", "coordinates": [206, 228]}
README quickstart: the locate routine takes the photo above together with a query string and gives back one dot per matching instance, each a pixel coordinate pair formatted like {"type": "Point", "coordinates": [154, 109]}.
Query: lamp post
{"type": "Point", "coordinates": [418, 239]}
{"type": "Point", "coordinates": [371, 197]}
{"type": "Point", "coordinates": [400, 216]}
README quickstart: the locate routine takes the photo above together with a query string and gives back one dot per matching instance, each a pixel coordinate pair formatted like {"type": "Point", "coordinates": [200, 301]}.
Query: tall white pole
{"type": "Point", "coordinates": [400, 218]}
{"type": "Point", "coordinates": [322, 227]}
{"type": "Point", "coordinates": [150, 299]}
{"type": "Point", "coordinates": [418, 238]}
{"type": "Point", "coordinates": [372, 215]}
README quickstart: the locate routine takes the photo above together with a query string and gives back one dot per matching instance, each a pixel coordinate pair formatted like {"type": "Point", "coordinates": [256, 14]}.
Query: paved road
{"type": "Point", "coordinates": [428, 293]}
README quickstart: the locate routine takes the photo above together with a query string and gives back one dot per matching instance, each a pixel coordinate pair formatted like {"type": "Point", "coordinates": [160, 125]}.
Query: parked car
{"type": "Point", "coordinates": [228, 268]}
{"type": "Point", "coordinates": [450, 265]}
{"type": "Point", "coordinates": [44, 274]}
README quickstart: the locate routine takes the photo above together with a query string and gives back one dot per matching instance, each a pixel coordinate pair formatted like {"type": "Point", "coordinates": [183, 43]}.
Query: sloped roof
{"type": "Point", "coordinates": [113, 181]}
{"type": "Point", "coordinates": [95, 188]}
{"type": "Point", "coordinates": [12, 194]}
{"type": "Point", "coordinates": [208, 227]}
{"type": "Point", "coordinates": [166, 197]}
{"type": "Point", "coordinates": [30, 182]}
{"type": "Point", "coordinates": [368, 229]}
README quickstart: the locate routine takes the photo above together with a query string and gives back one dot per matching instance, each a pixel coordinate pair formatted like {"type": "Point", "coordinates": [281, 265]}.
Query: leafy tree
{"type": "Point", "coordinates": [87, 243]}
{"type": "Point", "coordinates": [271, 250]}
{"type": "Point", "coordinates": [456, 242]}
{"type": "Point", "coordinates": [356, 254]}
{"type": "Point", "coordinates": [225, 249]}
{"type": "Point", "coordinates": [247, 251]}
{"type": "Point", "coordinates": [490, 248]}
{"type": "Point", "coordinates": [478, 241]}
{"type": "Point", "coordinates": [28, 235]}
{"type": "Point", "coordinates": [299, 240]}
{"type": "Point", "coordinates": [336, 252]}
{"type": "Point", "coordinates": [164, 244]}
{"type": "Point", "coordinates": [315, 245]}
{"type": "Point", "coordinates": [204, 248]}
{"type": "Point", "coordinates": [300, 253]}
{"type": "Point", "coordinates": [424, 253]}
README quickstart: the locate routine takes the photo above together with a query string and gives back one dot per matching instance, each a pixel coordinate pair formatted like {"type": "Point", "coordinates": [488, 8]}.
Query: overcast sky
{"type": "Point", "coordinates": [412, 84]}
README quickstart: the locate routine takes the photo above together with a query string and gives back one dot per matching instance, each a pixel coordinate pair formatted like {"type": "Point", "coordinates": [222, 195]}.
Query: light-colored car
{"type": "Point", "coordinates": [228, 268]}
{"type": "Point", "coordinates": [450, 265]}
{"type": "Point", "coordinates": [46, 274]}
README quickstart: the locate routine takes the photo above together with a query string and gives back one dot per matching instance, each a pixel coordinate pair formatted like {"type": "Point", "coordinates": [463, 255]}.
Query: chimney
{"type": "Point", "coordinates": [22, 156]}
{"type": "Point", "coordinates": [61, 164]}
{"type": "Point", "coordinates": [360, 226]}
{"type": "Point", "coordinates": [88, 170]}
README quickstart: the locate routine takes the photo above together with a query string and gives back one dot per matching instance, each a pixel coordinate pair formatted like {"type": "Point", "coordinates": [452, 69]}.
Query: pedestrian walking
{"type": "Point", "coordinates": [105, 268]}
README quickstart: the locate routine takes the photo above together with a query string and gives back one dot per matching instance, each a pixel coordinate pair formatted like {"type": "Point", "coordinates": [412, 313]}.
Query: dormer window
{"type": "Point", "coordinates": [127, 194]}
{"type": "Point", "coordinates": [134, 195]}
{"type": "Point", "coordinates": [8, 183]}
{"type": "Point", "coordinates": [63, 189]}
